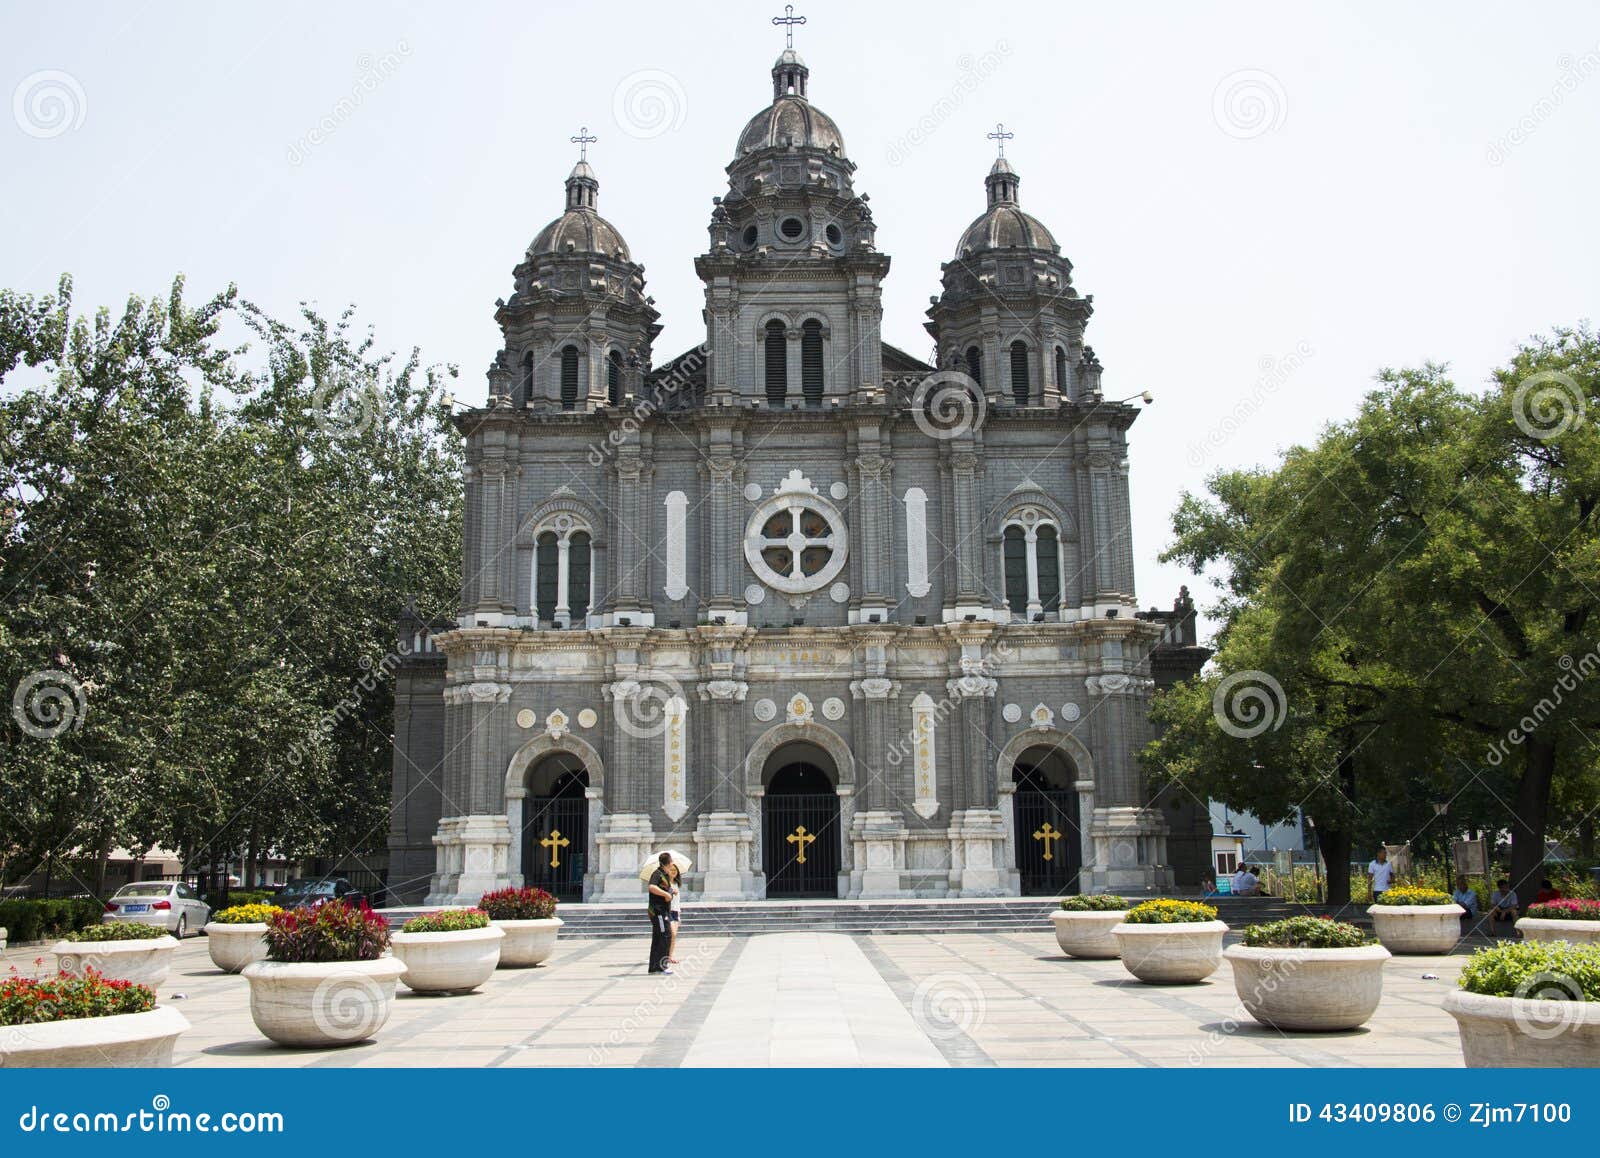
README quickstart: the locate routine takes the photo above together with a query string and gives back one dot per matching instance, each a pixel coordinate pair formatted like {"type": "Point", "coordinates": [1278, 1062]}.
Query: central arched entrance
{"type": "Point", "coordinates": [1049, 843]}
{"type": "Point", "coordinates": [555, 826]}
{"type": "Point", "coordinates": [800, 831]}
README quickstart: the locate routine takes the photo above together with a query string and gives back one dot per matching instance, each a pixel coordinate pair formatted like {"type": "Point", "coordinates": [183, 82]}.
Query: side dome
{"type": "Point", "coordinates": [581, 229]}
{"type": "Point", "coordinates": [1004, 225]}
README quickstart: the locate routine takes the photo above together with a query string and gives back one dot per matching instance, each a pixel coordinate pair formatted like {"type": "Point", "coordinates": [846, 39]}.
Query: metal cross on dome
{"type": "Point", "coordinates": [790, 20]}
{"type": "Point", "coordinates": [583, 140]}
{"type": "Point", "coordinates": [1000, 136]}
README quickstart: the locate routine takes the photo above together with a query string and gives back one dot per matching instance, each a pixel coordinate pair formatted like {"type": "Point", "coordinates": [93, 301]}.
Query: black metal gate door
{"type": "Point", "coordinates": [555, 842]}
{"type": "Point", "coordinates": [1049, 855]}
{"type": "Point", "coordinates": [800, 845]}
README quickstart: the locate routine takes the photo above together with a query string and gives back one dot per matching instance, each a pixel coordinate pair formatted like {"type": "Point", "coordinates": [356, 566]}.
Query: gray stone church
{"type": "Point", "coordinates": [831, 620]}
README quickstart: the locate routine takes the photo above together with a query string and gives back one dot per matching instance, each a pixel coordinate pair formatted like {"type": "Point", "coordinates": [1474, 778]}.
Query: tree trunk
{"type": "Point", "coordinates": [1528, 820]}
{"type": "Point", "coordinates": [1334, 844]}
{"type": "Point", "coordinates": [1586, 838]}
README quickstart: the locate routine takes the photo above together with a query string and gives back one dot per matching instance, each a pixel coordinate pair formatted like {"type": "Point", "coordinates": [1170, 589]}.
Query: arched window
{"type": "Point", "coordinates": [1061, 371]}
{"type": "Point", "coordinates": [569, 378]}
{"type": "Point", "coordinates": [546, 577]}
{"type": "Point", "coordinates": [1019, 373]}
{"type": "Point", "coordinates": [1016, 567]}
{"type": "Point", "coordinates": [614, 378]}
{"type": "Point", "coordinates": [811, 362]}
{"type": "Point", "coordinates": [1049, 555]}
{"type": "Point", "coordinates": [525, 391]}
{"type": "Point", "coordinates": [777, 363]}
{"type": "Point", "coordinates": [578, 576]}
{"type": "Point", "coordinates": [975, 365]}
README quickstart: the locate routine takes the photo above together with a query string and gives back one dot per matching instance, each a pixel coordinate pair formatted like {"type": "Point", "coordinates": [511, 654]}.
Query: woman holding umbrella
{"type": "Point", "coordinates": [676, 913]}
{"type": "Point", "coordinates": [663, 876]}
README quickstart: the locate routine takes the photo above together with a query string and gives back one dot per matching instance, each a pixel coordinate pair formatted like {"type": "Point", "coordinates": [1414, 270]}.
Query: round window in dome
{"type": "Point", "coordinates": [835, 237]}
{"type": "Point", "coordinates": [792, 228]}
{"type": "Point", "coordinates": [750, 237]}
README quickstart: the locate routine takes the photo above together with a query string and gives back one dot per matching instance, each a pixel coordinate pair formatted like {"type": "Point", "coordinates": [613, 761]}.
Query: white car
{"type": "Point", "coordinates": [168, 903]}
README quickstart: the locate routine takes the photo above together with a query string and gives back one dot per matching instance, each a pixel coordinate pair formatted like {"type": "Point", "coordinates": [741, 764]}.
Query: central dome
{"type": "Point", "coordinates": [791, 120]}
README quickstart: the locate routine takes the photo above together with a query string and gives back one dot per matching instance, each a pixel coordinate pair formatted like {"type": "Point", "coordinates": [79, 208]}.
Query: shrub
{"type": "Point", "coordinates": [1547, 970]}
{"type": "Point", "coordinates": [518, 905]}
{"type": "Point", "coordinates": [447, 921]}
{"type": "Point", "coordinates": [1306, 933]}
{"type": "Point", "coordinates": [1170, 912]}
{"type": "Point", "coordinates": [1094, 903]}
{"type": "Point", "coordinates": [42, 920]}
{"type": "Point", "coordinates": [28, 1000]}
{"type": "Point", "coordinates": [1414, 895]}
{"type": "Point", "coordinates": [238, 897]}
{"type": "Point", "coordinates": [1566, 909]}
{"type": "Point", "coordinates": [333, 931]}
{"type": "Point", "coordinates": [249, 914]}
{"type": "Point", "coordinates": [117, 931]}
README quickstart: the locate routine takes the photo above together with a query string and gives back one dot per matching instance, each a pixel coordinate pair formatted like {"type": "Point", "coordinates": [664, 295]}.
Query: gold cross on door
{"type": "Point", "coordinates": [800, 838]}
{"type": "Point", "coordinates": [555, 842]}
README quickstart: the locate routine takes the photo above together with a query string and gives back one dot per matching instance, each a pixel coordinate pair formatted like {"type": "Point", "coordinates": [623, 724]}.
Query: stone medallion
{"type": "Point", "coordinates": [833, 708]}
{"type": "Point", "coordinates": [839, 490]}
{"type": "Point", "coordinates": [587, 718]}
{"type": "Point", "coordinates": [754, 594]}
{"type": "Point", "coordinates": [839, 593]}
{"type": "Point", "coordinates": [766, 710]}
{"type": "Point", "coordinates": [526, 719]}
{"type": "Point", "coordinates": [752, 491]}
{"type": "Point", "coordinates": [1070, 712]}
{"type": "Point", "coordinates": [1012, 713]}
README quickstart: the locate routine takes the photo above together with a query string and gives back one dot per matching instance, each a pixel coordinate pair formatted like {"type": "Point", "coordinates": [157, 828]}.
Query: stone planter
{"type": "Point", "coordinates": [527, 942]}
{"type": "Point", "coordinates": [144, 962]}
{"type": "Point", "coordinates": [125, 1039]}
{"type": "Point", "coordinates": [1175, 954]}
{"type": "Point", "coordinates": [456, 962]}
{"type": "Point", "coordinates": [1087, 935]}
{"type": "Point", "coordinates": [1515, 1031]}
{"type": "Point", "coordinates": [1550, 929]}
{"type": "Point", "coordinates": [232, 947]}
{"type": "Point", "coordinates": [1417, 929]}
{"type": "Point", "coordinates": [323, 1003]}
{"type": "Point", "coordinates": [1309, 989]}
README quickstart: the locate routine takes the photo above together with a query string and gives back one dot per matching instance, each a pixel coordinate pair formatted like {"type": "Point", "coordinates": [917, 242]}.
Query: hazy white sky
{"type": "Point", "coordinates": [1268, 201]}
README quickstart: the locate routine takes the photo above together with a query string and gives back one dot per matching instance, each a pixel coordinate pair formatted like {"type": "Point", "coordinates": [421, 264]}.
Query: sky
{"type": "Point", "coordinates": [1269, 202]}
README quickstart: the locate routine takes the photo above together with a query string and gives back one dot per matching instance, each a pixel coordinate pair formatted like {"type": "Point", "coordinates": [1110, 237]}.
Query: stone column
{"type": "Point", "coordinates": [977, 830]}
{"type": "Point", "coordinates": [962, 474]}
{"type": "Point", "coordinates": [1129, 840]}
{"type": "Point", "coordinates": [473, 843]}
{"type": "Point", "coordinates": [877, 829]}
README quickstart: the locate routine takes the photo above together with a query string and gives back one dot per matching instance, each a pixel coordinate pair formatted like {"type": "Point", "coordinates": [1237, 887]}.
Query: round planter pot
{"type": "Point", "coordinates": [1175, 954]}
{"type": "Point", "coordinates": [1417, 929]}
{"type": "Point", "coordinates": [144, 962]}
{"type": "Point", "coordinates": [324, 1003]}
{"type": "Point", "coordinates": [447, 962]}
{"type": "Point", "coordinates": [1548, 929]}
{"type": "Point", "coordinates": [1515, 1031]}
{"type": "Point", "coordinates": [527, 942]}
{"type": "Point", "coordinates": [125, 1039]}
{"type": "Point", "coordinates": [1087, 935]}
{"type": "Point", "coordinates": [1309, 989]}
{"type": "Point", "coordinates": [232, 947]}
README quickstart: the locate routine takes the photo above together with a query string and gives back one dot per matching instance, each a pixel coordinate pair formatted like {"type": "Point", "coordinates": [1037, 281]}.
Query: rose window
{"type": "Point", "coordinates": [796, 542]}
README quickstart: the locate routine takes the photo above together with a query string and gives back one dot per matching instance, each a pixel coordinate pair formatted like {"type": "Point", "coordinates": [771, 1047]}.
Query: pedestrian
{"type": "Point", "coordinates": [659, 907]}
{"type": "Point", "coordinates": [677, 909]}
{"type": "Point", "coordinates": [1381, 873]}
{"type": "Point", "coordinates": [1547, 893]}
{"type": "Point", "coordinates": [1503, 905]}
{"type": "Point", "coordinates": [1467, 897]}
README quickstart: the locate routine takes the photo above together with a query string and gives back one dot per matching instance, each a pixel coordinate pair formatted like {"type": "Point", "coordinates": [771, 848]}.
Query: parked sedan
{"type": "Point", "coordinates": [168, 903]}
{"type": "Point", "coordinates": [311, 891]}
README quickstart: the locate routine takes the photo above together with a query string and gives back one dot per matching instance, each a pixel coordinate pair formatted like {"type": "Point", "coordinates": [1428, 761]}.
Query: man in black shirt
{"type": "Point", "coordinates": [660, 909]}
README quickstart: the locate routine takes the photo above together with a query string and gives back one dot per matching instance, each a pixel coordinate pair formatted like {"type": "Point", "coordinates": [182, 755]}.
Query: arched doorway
{"type": "Point", "coordinates": [1049, 844]}
{"type": "Point", "coordinates": [555, 826]}
{"type": "Point", "coordinates": [800, 830]}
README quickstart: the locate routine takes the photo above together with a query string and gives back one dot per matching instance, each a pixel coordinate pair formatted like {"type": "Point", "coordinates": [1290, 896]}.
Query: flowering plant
{"type": "Point", "coordinates": [1166, 911]}
{"type": "Point", "coordinates": [117, 931]}
{"type": "Point", "coordinates": [29, 1000]}
{"type": "Point", "coordinates": [331, 931]}
{"type": "Point", "coordinates": [1566, 909]}
{"type": "Point", "coordinates": [1305, 933]}
{"type": "Point", "coordinates": [447, 921]}
{"type": "Point", "coordinates": [251, 914]}
{"type": "Point", "coordinates": [518, 905]}
{"type": "Point", "coordinates": [1414, 895]}
{"type": "Point", "coordinates": [1094, 903]}
{"type": "Point", "coordinates": [1541, 970]}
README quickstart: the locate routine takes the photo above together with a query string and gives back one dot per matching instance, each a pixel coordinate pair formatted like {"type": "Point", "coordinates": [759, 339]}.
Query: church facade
{"type": "Point", "coordinates": [830, 619]}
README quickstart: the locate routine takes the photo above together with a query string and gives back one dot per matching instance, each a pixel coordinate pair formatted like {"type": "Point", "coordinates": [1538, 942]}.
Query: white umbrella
{"type": "Point", "coordinates": [684, 863]}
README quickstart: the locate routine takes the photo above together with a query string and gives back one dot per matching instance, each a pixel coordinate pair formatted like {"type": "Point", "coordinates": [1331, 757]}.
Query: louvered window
{"type": "Point", "coordinates": [811, 362]}
{"type": "Point", "coordinates": [777, 364]}
{"type": "Point", "coordinates": [569, 378]}
{"type": "Point", "coordinates": [1019, 373]}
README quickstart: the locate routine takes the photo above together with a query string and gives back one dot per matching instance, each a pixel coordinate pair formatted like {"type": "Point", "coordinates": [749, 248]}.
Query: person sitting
{"type": "Point", "coordinates": [1467, 897]}
{"type": "Point", "coordinates": [1503, 903]}
{"type": "Point", "coordinates": [1547, 892]}
{"type": "Point", "coordinates": [1246, 883]}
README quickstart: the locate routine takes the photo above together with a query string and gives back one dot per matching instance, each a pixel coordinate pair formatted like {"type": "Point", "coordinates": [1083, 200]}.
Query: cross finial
{"type": "Point", "coordinates": [1000, 136]}
{"type": "Point", "coordinates": [583, 140]}
{"type": "Point", "coordinates": [789, 19]}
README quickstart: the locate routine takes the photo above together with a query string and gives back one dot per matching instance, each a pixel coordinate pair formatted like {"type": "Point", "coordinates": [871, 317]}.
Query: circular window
{"type": "Point", "coordinates": [750, 237]}
{"type": "Point", "coordinates": [835, 237]}
{"type": "Point", "coordinates": [796, 542]}
{"type": "Point", "coordinates": [792, 228]}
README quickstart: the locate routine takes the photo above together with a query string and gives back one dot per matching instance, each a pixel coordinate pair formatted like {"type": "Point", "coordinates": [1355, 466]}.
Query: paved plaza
{"type": "Point", "coordinates": [824, 999]}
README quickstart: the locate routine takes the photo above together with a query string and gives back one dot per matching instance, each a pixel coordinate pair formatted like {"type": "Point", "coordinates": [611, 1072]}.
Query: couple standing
{"type": "Point", "coordinates": [665, 908]}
